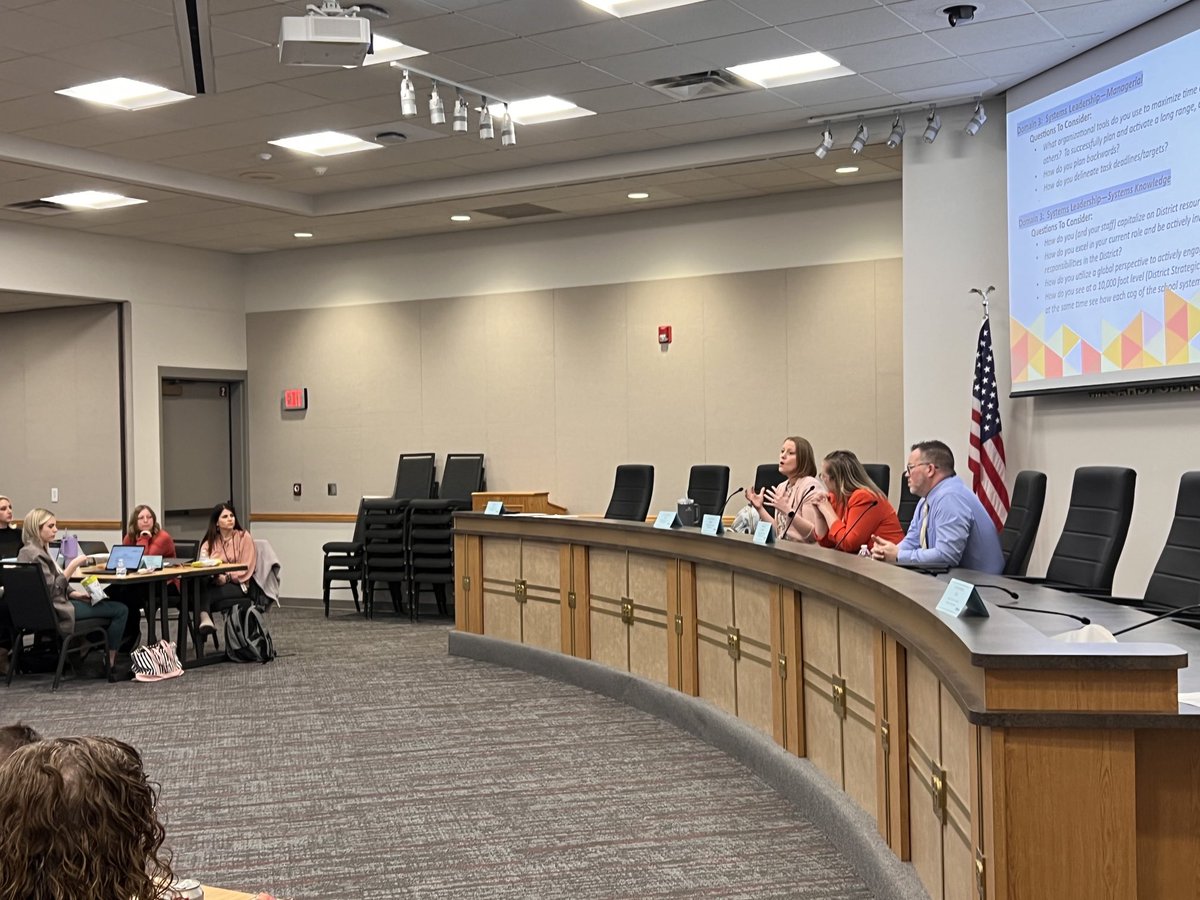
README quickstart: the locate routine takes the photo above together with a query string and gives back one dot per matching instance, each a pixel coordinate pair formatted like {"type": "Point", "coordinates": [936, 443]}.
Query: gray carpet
{"type": "Point", "coordinates": [366, 763]}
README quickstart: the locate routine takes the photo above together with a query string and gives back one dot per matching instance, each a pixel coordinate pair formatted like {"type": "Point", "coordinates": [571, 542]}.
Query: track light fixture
{"type": "Point", "coordinates": [933, 124]}
{"type": "Point", "coordinates": [977, 120]}
{"type": "Point", "coordinates": [897, 136]}
{"type": "Point", "coordinates": [437, 111]}
{"type": "Point", "coordinates": [826, 144]}
{"type": "Point", "coordinates": [408, 97]}
{"type": "Point", "coordinates": [508, 131]}
{"type": "Point", "coordinates": [860, 139]}
{"type": "Point", "coordinates": [486, 132]}
{"type": "Point", "coordinates": [460, 115]}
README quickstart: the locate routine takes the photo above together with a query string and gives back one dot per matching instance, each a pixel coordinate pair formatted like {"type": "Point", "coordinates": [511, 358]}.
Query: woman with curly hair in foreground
{"type": "Point", "coordinates": [77, 820]}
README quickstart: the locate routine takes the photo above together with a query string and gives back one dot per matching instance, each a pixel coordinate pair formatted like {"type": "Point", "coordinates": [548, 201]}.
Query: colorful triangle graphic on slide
{"type": "Point", "coordinates": [1091, 358]}
{"type": "Point", "coordinates": [1073, 361]}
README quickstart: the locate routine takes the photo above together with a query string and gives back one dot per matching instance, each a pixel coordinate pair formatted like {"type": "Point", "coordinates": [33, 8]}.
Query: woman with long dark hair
{"type": "Point", "coordinates": [227, 541]}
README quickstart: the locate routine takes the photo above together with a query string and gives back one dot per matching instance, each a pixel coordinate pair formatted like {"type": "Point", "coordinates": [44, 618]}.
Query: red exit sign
{"type": "Point", "coordinates": [295, 399]}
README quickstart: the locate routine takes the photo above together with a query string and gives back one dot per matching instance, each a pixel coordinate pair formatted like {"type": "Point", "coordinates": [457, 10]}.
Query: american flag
{"type": "Point", "coordinates": [987, 445]}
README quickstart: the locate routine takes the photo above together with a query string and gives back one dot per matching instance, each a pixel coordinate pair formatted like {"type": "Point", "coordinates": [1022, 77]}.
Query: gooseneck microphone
{"type": "Point", "coordinates": [1082, 620]}
{"type": "Point", "coordinates": [730, 497]}
{"type": "Point", "coordinates": [1166, 615]}
{"type": "Point", "coordinates": [997, 587]}
{"type": "Point", "coordinates": [787, 526]}
{"type": "Point", "coordinates": [870, 506]}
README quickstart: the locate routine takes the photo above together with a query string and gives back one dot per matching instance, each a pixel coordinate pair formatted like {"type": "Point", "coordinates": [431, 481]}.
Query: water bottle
{"type": "Point", "coordinates": [864, 550]}
{"type": "Point", "coordinates": [121, 570]}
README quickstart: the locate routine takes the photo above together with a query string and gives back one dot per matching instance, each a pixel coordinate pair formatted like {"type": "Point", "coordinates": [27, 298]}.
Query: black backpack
{"type": "Point", "coordinates": [247, 638]}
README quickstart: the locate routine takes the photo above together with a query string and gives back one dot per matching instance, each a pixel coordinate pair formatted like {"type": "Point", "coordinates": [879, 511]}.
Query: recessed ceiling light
{"type": "Point", "coordinates": [325, 143]}
{"type": "Point", "coordinates": [302, 234]}
{"type": "Point", "coordinates": [536, 110]}
{"type": "Point", "coordinates": [387, 50]}
{"type": "Point", "coordinates": [770, 73]}
{"type": "Point", "coordinates": [846, 170]}
{"type": "Point", "coordinates": [93, 200]}
{"type": "Point", "coordinates": [460, 218]}
{"type": "Point", "coordinates": [638, 195]}
{"type": "Point", "coordinates": [636, 7]}
{"type": "Point", "coordinates": [124, 93]}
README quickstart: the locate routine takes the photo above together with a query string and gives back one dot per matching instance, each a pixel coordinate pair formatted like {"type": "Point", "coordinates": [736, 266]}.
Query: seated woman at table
{"type": "Point", "coordinates": [795, 500]}
{"type": "Point", "coordinates": [227, 541]}
{"type": "Point", "coordinates": [70, 604]}
{"type": "Point", "coordinates": [78, 819]}
{"type": "Point", "coordinates": [854, 507]}
{"type": "Point", "coordinates": [143, 530]}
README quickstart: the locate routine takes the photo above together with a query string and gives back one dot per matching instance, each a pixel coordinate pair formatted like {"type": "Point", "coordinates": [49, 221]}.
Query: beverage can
{"type": "Point", "coordinates": [187, 889]}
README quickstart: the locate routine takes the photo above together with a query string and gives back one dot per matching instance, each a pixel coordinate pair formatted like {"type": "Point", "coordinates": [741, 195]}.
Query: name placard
{"type": "Point", "coordinates": [494, 508]}
{"type": "Point", "coordinates": [668, 518]}
{"type": "Point", "coordinates": [764, 533]}
{"type": "Point", "coordinates": [960, 599]}
{"type": "Point", "coordinates": [711, 525]}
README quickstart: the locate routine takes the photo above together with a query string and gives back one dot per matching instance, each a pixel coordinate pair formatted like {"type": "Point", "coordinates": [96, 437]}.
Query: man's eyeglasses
{"type": "Point", "coordinates": [909, 468]}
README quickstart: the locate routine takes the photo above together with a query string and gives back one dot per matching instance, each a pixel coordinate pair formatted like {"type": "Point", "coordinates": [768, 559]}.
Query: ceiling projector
{"type": "Point", "coordinates": [324, 40]}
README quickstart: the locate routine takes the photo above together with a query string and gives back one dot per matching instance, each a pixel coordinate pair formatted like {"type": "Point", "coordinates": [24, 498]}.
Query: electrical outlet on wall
{"type": "Point", "coordinates": [53, 495]}
{"type": "Point", "coordinates": [296, 489]}
{"type": "Point", "coordinates": [332, 488]}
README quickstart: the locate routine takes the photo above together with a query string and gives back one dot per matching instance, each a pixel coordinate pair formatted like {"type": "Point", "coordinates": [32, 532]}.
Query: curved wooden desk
{"type": "Point", "coordinates": [1003, 764]}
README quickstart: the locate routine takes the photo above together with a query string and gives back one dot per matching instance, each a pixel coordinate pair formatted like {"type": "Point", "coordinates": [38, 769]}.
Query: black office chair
{"type": "Point", "coordinates": [631, 493]}
{"type": "Point", "coordinates": [1024, 517]}
{"type": "Point", "coordinates": [907, 507]}
{"type": "Point", "coordinates": [32, 613]}
{"type": "Point", "coordinates": [1085, 558]}
{"type": "Point", "coordinates": [1175, 582]}
{"type": "Point", "coordinates": [881, 474]}
{"type": "Point", "coordinates": [765, 476]}
{"type": "Point", "coordinates": [462, 475]}
{"type": "Point", "coordinates": [343, 561]}
{"type": "Point", "coordinates": [186, 550]}
{"type": "Point", "coordinates": [709, 486]}
{"type": "Point", "coordinates": [415, 477]}
{"type": "Point", "coordinates": [385, 559]}
{"type": "Point", "coordinates": [430, 545]}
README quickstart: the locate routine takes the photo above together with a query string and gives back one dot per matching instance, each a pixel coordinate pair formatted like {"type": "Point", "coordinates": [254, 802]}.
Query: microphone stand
{"type": "Point", "coordinates": [1166, 615]}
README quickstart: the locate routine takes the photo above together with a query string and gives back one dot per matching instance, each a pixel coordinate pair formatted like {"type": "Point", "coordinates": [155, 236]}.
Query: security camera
{"type": "Point", "coordinates": [963, 12]}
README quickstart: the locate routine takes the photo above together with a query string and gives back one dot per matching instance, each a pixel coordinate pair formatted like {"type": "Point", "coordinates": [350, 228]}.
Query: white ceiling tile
{"type": "Point", "coordinates": [647, 65]}
{"type": "Point", "coordinates": [892, 53]}
{"type": "Point", "coordinates": [925, 75]}
{"type": "Point", "coordinates": [991, 34]}
{"type": "Point", "coordinates": [450, 32]}
{"type": "Point", "coordinates": [698, 22]}
{"type": "Point", "coordinates": [782, 12]}
{"type": "Point", "coordinates": [1111, 16]}
{"type": "Point", "coordinates": [534, 16]}
{"type": "Point", "coordinates": [47, 74]}
{"type": "Point", "coordinates": [749, 46]}
{"type": "Point", "coordinates": [603, 100]}
{"type": "Point", "coordinates": [559, 80]}
{"type": "Point", "coordinates": [1018, 60]}
{"type": "Point", "coordinates": [954, 91]}
{"type": "Point", "coordinates": [101, 18]}
{"type": "Point", "coordinates": [606, 38]}
{"type": "Point", "coordinates": [856, 27]}
{"type": "Point", "coordinates": [507, 57]}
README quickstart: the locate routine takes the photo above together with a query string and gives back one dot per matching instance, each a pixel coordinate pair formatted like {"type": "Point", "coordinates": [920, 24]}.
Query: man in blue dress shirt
{"type": "Point", "coordinates": [950, 526]}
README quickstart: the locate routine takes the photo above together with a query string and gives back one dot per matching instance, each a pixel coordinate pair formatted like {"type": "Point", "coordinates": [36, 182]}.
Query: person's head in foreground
{"type": "Point", "coordinates": [77, 820]}
{"type": "Point", "coordinates": [14, 737]}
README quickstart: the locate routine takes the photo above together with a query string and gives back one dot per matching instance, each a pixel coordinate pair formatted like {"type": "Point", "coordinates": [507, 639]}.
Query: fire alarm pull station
{"type": "Point", "coordinates": [664, 334]}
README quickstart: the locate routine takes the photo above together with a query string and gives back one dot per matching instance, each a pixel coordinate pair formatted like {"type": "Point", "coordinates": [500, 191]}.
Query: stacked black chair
{"type": "Point", "coordinates": [1024, 517]}
{"type": "Point", "coordinates": [1085, 558]}
{"type": "Point", "coordinates": [462, 475]}
{"type": "Point", "coordinates": [385, 559]}
{"type": "Point", "coordinates": [907, 507]}
{"type": "Point", "coordinates": [631, 493]}
{"type": "Point", "coordinates": [709, 486]}
{"type": "Point", "coordinates": [881, 474]}
{"type": "Point", "coordinates": [33, 614]}
{"type": "Point", "coordinates": [415, 476]}
{"type": "Point", "coordinates": [430, 545]}
{"type": "Point", "coordinates": [343, 561]}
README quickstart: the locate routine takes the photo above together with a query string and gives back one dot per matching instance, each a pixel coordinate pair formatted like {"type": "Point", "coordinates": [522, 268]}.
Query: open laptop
{"type": "Point", "coordinates": [132, 557]}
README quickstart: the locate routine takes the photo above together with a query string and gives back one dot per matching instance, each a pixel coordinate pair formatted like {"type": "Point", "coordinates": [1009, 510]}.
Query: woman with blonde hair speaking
{"type": "Point", "coordinates": [854, 508]}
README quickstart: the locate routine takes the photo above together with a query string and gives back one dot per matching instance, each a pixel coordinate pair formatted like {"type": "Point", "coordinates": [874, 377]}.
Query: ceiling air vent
{"type": "Point", "coordinates": [38, 207]}
{"type": "Point", "coordinates": [713, 83]}
{"type": "Point", "coordinates": [518, 211]}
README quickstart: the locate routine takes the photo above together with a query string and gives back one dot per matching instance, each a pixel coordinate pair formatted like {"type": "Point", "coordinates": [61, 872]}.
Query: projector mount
{"type": "Point", "coordinates": [332, 8]}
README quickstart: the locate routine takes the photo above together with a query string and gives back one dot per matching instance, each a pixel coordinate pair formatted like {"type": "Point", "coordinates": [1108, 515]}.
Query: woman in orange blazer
{"type": "Point", "coordinates": [854, 509]}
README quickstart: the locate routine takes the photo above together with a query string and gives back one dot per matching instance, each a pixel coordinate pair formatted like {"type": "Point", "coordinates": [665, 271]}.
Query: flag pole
{"type": "Point", "coordinates": [983, 297]}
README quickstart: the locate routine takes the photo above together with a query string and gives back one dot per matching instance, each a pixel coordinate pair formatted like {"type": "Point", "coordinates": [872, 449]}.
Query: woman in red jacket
{"type": "Point", "coordinates": [142, 529]}
{"type": "Point", "coordinates": [854, 509]}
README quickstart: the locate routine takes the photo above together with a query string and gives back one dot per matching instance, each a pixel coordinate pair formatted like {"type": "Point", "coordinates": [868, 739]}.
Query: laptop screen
{"type": "Point", "coordinates": [131, 555]}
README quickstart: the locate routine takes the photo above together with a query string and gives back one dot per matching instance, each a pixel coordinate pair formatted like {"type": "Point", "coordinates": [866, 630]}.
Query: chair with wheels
{"type": "Point", "coordinates": [32, 613]}
{"type": "Point", "coordinates": [765, 476]}
{"type": "Point", "coordinates": [1024, 517]}
{"type": "Point", "coordinates": [631, 493]}
{"type": "Point", "coordinates": [881, 474]}
{"type": "Point", "coordinates": [709, 486]}
{"type": "Point", "coordinates": [907, 507]}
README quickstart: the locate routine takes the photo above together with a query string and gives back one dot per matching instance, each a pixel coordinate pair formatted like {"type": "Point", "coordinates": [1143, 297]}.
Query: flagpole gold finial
{"type": "Point", "coordinates": [983, 297]}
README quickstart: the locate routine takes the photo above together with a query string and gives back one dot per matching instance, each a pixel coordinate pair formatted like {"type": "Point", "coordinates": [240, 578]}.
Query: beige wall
{"type": "Point", "coordinates": [558, 387]}
{"type": "Point", "coordinates": [59, 405]}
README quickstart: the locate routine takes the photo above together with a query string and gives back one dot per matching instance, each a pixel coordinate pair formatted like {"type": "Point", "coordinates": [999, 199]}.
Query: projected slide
{"type": "Point", "coordinates": [1104, 226]}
